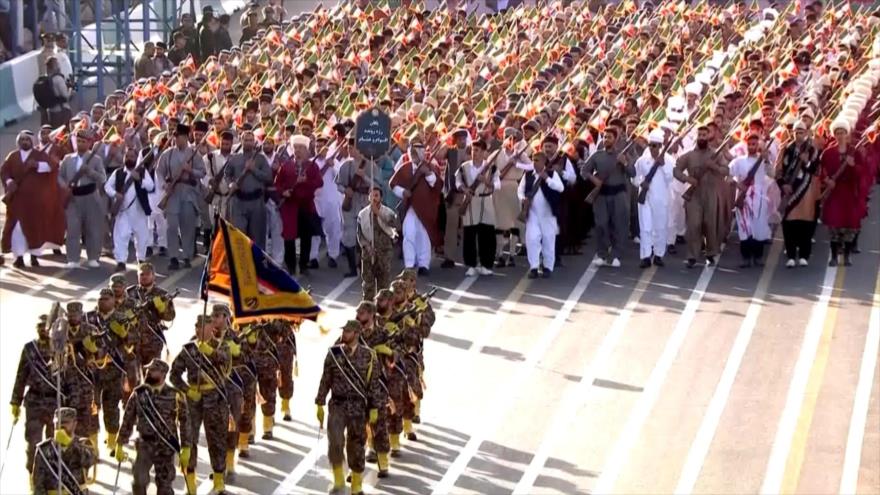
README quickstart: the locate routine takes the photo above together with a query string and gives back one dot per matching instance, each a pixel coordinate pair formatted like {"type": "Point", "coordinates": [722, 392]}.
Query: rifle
{"type": "Point", "coordinates": [591, 197]}
{"type": "Point", "coordinates": [750, 178]}
{"type": "Point", "coordinates": [412, 308]}
{"type": "Point", "coordinates": [356, 181]}
{"type": "Point", "coordinates": [524, 211]}
{"type": "Point", "coordinates": [214, 183]}
{"type": "Point", "coordinates": [512, 162]}
{"type": "Point", "coordinates": [692, 189]}
{"type": "Point", "coordinates": [163, 203]}
{"type": "Point", "coordinates": [646, 184]}
{"type": "Point", "coordinates": [404, 203]}
{"type": "Point", "coordinates": [472, 189]}
{"type": "Point", "coordinates": [116, 206]}
{"type": "Point", "coordinates": [65, 192]}
{"type": "Point", "coordinates": [837, 174]}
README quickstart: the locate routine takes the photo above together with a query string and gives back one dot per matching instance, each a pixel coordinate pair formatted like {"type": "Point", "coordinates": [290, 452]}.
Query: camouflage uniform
{"type": "Point", "coordinates": [77, 458]}
{"type": "Point", "coordinates": [346, 425]}
{"type": "Point", "coordinates": [112, 344]}
{"type": "Point", "coordinates": [286, 358]}
{"type": "Point", "coordinates": [376, 259]}
{"type": "Point", "coordinates": [79, 375]}
{"type": "Point", "coordinates": [234, 381]}
{"type": "Point", "coordinates": [154, 449]}
{"type": "Point", "coordinates": [267, 338]}
{"type": "Point", "coordinates": [35, 375]}
{"type": "Point", "coordinates": [127, 307]}
{"type": "Point", "coordinates": [248, 371]}
{"type": "Point", "coordinates": [399, 394]}
{"type": "Point", "coordinates": [212, 408]}
{"type": "Point", "coordinates": [151, 336]}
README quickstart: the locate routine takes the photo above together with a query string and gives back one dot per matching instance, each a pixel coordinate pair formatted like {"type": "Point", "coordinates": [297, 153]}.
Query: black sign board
{"type": "Point", "coordinates": [373, 133]}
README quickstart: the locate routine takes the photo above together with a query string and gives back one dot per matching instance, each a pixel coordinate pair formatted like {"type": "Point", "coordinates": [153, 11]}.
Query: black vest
{"type": "Point", "coordinates": [552, 197]}
{"type": "Point", "coordinates": [119, 186]}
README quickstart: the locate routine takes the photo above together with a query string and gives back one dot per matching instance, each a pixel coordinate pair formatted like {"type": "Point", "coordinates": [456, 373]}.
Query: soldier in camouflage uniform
{"type": "Point", "coordinates": [399, 399]}
{"type": "Point", "coordinates": [350, 372]}
{"type": "Point", "coordinates": [406, 344]}
{"type": "Point", "coordinates": [376, 339]}
{"type": "Point", "coordinates": [205, 360]}
{"type": "Point", "coordinates": [248, 369]}
{"type": "Point", "coordinates": [77, 456]}
{"type": "Point", "coordinates": [287, 364]}
{"type": "Point", "coordinates": [376, 233]}
{"type": "Point", "coordinates": [35, 386]}
{"type": "Point", "coordinates": [424, 322]}
{"type": "Point", "coordinates": [221, 319]}
{"type": "Point", "coordinates": [264, 339]}
{"type": "Point", "coordinates": [78, 376]}
{"type": "Point", "coordinates": [162, 418]}
{"type": "Point", "coordinates": [154, 307]}
{"type": "Point", "coordinates": [110, 346]}
{"type": "Point", "coordinates": [126, 308]}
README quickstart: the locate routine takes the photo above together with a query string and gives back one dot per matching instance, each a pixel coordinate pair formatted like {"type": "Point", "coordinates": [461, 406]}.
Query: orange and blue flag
{"type": "Point", "coordinates": [256, 286]}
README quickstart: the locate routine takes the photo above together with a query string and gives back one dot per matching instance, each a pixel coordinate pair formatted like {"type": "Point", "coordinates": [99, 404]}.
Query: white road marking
{"type": "Point", "coordinates": [290, 482]}
{"type": "Point", "coordinates": [854, 440]}
{"type": "Point", "coordinates": [703, 439]}
{"type": "Point", "coordinates": [797, 388]}
{"type": "Point", "coordinates": [638, 416]}
{"type": "Point", "coordinates": [491, 420]}
{"type": "Point", "coordinates": [579, 393]}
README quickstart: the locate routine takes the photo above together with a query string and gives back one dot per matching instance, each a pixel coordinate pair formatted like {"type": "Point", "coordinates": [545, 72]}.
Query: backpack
{"type": "Point", "coordinates": [44, 92]}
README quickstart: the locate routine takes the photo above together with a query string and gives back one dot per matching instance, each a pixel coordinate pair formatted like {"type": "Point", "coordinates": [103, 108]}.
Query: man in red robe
{"type": "Point", "coordinates": [296, 183]}
{"type": "Point", "coordinates": [415, 182]}
{"type": "Point", "coordinates": [842, 171]}
{"type": "Point", "coordinates": [34, 216]}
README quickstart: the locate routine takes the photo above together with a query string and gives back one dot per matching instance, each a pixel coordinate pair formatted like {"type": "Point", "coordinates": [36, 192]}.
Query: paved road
{"type": "Point", "coordinates": [611, 380]}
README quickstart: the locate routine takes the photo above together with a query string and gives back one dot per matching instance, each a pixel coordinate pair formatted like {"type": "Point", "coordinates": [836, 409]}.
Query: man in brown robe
{"type": "Point", "coordinates": [34, 217]}
{"type": "Point", "coordinates": [415, 182]}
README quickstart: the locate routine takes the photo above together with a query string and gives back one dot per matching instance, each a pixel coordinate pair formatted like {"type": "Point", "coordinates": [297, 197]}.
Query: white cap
{"type": "Point", "coordinates": [694, 88]}
{"type": "Point", "coordinates": [840, 124]}
{"type": "Point", "coordinates": [656, 136]}
{"type": "Point", "coordinates": [299, 139]}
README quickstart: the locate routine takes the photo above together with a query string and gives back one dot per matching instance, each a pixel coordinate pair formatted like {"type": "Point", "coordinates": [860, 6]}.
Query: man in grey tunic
{"type": "Point", "coordinates": [181, 168]}
{"type": "Point", "coordinates": [606, 170]}
{"type": "Point", "coordinates": [249, 174]}
{"type": "Point", "coordinates": [83, 173]}
{"type": "Point", "coordinates": [356, 177]}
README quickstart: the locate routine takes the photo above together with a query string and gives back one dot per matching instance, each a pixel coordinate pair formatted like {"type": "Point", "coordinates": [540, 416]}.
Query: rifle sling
{"type": "Point", "coordinates": [155, 420]}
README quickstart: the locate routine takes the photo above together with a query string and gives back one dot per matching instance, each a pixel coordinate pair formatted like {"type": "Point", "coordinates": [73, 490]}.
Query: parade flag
{"type": "Point", "coordinates": [256, 286]}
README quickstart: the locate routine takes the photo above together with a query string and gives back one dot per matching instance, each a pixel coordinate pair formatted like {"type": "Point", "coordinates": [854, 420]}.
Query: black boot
{"type": "Point", "coordinates": [835, 251]}
{"type": "Point", "coordinates": [847, 251]}
{"type": "Point", "coordinates": [351, 257]}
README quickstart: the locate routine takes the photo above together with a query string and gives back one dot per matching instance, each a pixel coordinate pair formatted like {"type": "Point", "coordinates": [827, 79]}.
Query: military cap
{"type": "Point", "coordinates": [158, 365]}
{"type": "Point", "coordinates": [352, 326]}
{"type": "Point", "coordinates": [384, 294]}
{"type": "Point", "coordinates": [74, 307]}
{"type": "Point", "coordinates": [221, 308]}
{"type": "Point", "coordinates": [105, 292]}
{"type": "Point", "coordinates": [65, 414]}
{"type": "Point", "coordinates": [146, 266]}
{"type": "Point", "coordinates": [117, 279]}
{"type": "Point", "coordinates": [398, 285]}
{"type": "Point", "coordinates": [408, 274]}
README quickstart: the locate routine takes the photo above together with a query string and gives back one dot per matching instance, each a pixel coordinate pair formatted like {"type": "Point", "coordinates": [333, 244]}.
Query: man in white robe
{"type": "Point", "coordinates": [328, 204]}
{"type": "Point", "coordinates": [541, 224]}
{"type": "Point", "coordinates": [133, 214]}
{"type": "Point", "coordinates": [760, 204]}
{"type": "Point", "coordinates": [654, 212]}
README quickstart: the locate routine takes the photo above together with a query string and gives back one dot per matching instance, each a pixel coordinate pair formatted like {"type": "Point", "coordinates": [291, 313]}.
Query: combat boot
{"type": "Point", "coordinates": [285, 408]}
{"type": "Point", "coordinates": [268, 423]}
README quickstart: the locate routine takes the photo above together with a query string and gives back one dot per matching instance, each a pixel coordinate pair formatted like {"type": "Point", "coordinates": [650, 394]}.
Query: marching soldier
{"type": "Point", "coordinates": [381, 445]}
{"type": "Point", "coordinates": [181, 168]}
{"type": "Point", "coordinates": [399, 399]}
{"type": "Point", "coordinates": [77, 456]}
{"type": "Point", "coordinates": [286, 365]}
{"type": "Point", "coordinates": [350, 370]}
{"type": "Point", "coordinates": [162, 419]}
{"type": "Point", "coordinates": [205, 360]}
{"type": "Point", "coordinates": [126, 332]}
{"type": "Point", "coordinates": [246, 367]}
{"type": "Point", "coordinates": [376, 232]}
{"type": "Point", "coordinates": [221, 321]}
{"type": "Point", "coordinates": [265, 339]}
{"type": "Point", "coordinates": [405, 346]}
{"type": "Point", "coordinates": [78, 377]}
{"type": "Point", "coordinates": [155, 307]}
{"type": "Point", "coordinates": [110, 346]}
{"type": "Point", "coordinates": [35, 386]}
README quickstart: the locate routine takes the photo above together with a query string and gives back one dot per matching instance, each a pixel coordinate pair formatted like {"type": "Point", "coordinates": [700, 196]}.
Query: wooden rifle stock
{"type": "Point", "coordinates": [472, 189]}
{"type": "Point", "coordinates": [404, 203]}
{"type": "Point", "coordinates": [837, 174]}
{"type": "Point", "coordinates": [750, 179]}
{"type": "Point", "coordinates": [163, 203]}
{"type": "Point", "coordinates": [527, 202]}
{"type": "Point", "coordinates": [7, 197]}
{"type": "Point", "coordinates": [66, 192]}
{"type": "Point", "coordinates": [116, 206]}
{"type": "Point", "coordinates": [646, 184]}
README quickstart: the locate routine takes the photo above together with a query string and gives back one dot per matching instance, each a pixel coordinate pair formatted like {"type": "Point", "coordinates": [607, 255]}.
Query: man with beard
{"type": "Point", "coordinates": [355, 179]}
{"type": "Point", "coordinates": [35, 387]}
{"type": "Point", "coordinates": [654, 173]}
{"type": "Point", "coordinates": [83, 173]}
{"type": "Point", "coordinates": [249, 175]}
{"type": "Point", "coordinates": [702, 170]}
{"type": "Point", "coordinates": [796, 176]}
{"type": "Point", "coordinates": [216, 164]}
{"type": "Point", "coordinates": [154, 307]}
{"type": "Point", "coordinates": [377, 232]}
{"type": "Point", "coordinates": [129, 186]}
{"type": "Point", "coordinates": [328, 201]}
{"type": "Point", "coordinates": [162, 418]}
{"type": "Point", "coordinates": [76, 455]}
{"type": "Point", "coordinates": [607, 171]}
{"type": "Point", "coordinates": [350, 372]}
{"type": "Point", "coordinates": [844, 206]}
{"type": "Point", "coordinates": [415, 182]}
{"type": "Point", "coordinates": [296, 183]}
{"type": "Point", "coordinates": [454, 158]}
{"type": "Point", "coordinates": [753, 175]}
{"type": "Point", "coordinates": [34, 216]}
